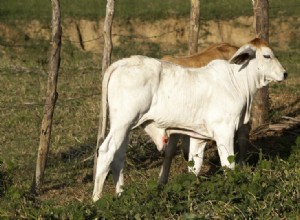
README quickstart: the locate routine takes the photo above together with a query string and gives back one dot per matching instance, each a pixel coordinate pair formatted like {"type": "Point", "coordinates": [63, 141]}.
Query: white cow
{"type": "Point", "coordinates": [222, 51]}
{"type": "Point", "coordinates": [209, 103]}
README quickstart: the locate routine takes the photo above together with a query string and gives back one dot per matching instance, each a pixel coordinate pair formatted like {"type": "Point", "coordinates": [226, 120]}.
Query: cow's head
{"type": "Point", "coordinates": [268, 66]}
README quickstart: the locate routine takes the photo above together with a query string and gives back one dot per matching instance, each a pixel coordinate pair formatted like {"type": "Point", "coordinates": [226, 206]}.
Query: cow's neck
{"type": "Point", "coordinates": [249, 78]}
{"type": "Point", "coordinates": [249, 81]}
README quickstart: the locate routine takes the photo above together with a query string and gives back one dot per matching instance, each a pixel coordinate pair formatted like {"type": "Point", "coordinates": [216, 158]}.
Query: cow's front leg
{"type": "Point", "coordinates": [242, 139]}
{"type": "Point", "coordinates": [224, 137]}
{"type": "Point", "coordinates": [196, 154]}
{"type": "Point", "coordinates": [185, 143]}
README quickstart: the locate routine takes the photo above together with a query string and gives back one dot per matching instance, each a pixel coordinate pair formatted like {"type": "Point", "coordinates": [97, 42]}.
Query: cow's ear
{"type": "Point", "coordinates": [243, 56]}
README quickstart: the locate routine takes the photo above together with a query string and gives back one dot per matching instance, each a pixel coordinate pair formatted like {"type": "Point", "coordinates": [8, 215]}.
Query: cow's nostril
{"type": "Point", "coordinates": [285, 75]}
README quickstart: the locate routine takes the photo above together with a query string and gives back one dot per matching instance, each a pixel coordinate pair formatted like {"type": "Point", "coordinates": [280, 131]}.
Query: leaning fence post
{"type": "Point", "coordinates": [110, 5]}
{"type": "Point", "coordinates": [51, 98]}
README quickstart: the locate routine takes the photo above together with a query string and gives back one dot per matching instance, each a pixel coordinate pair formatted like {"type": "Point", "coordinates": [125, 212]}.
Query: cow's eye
{"type": "Point", "coordinates": [267, 56]}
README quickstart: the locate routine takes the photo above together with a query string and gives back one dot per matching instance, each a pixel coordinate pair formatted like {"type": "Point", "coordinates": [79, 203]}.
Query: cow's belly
{"type": "Point", "coordinates": [201, 133]}
{"type": "Point", "coordinates": [195, 121]}
{"type": "Point", "coordinates": [180, 122]}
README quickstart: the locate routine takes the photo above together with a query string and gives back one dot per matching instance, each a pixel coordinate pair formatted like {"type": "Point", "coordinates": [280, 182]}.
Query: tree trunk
{"type": "Point", "coordinates": [260, 103]}
{"type": "Point", "coordinates": [105, 63]}
{"type": "Point", "coordinates": [194, 26]}
{"type": "Point", "coordinates": [51, 98]}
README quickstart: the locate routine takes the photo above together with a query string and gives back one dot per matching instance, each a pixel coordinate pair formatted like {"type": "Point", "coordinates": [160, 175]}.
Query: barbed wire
{"type": "Point", "coordinates": [33, 104]}
{"type": "Point", "coordinates": [132, 36]}
{"type": "Point", "coordinates": [61, 101]}
{"type": "Point", "coordinates": [286, 6]}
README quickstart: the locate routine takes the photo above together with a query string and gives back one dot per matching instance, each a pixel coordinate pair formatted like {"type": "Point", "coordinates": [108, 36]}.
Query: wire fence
{"type": "Point", "coordinates": [134, 36]}
{"type": "Point", "coordinates": [64, 101]}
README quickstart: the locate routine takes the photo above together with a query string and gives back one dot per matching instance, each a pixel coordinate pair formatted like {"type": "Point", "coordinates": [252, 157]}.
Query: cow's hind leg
{"type": "Point", "coordinates": [117, 165]}
{"type": "Point", "coordinates": [111, 152]}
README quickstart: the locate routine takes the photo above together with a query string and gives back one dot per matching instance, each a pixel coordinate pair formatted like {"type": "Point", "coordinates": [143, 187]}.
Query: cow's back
{"type": "Point", "coordinates": [218, 51]}
{"type": "Point", "coordinates": [135, 71]}
{"type": "Point", "coordinates": [131, 85]}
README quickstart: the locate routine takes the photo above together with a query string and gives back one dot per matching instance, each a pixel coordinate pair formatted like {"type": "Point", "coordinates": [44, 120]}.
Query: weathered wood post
{"type": "Point", "coordinates": [51, 98]}
{"type": "Point", "coordinates": [194, 26]}
{"type": "Point", "coordinates": [261, 22]}
{"type": "Point", "coordinates": [107, 28]}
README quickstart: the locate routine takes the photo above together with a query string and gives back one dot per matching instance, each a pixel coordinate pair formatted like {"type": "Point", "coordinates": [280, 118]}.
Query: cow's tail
{"type": "Point", "coordinates": [103, 114]}
{"type": "Point", "coordinates": [104, 105]}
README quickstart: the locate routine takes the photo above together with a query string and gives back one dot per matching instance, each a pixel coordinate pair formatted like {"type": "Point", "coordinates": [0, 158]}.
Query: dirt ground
{"type": "Point", "coordinates": [87, 34]}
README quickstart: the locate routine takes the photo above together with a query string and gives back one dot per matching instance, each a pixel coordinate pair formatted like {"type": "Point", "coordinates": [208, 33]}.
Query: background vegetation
{"type": "Point", "coordinates": [267, 188]}
{"type": "Point", "coordinates": [143, 9]}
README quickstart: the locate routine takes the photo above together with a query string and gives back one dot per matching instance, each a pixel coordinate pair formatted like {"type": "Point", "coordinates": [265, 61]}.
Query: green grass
{"type": "Point", "coordinates": [142, 9]}
{"type": "Point", "coordinates": [242, 194]}
{"type": "Point", "coordinates": [268, 190]}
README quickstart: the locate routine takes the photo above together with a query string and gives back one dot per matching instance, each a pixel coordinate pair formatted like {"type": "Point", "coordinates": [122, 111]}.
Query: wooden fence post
{"type": "Point", "coordinates": [107, 34]}
{"type": "Point", "coordinates": [194, 26]}
{"type": "Point", "coordinates": [261, 99]}
{"type": "Point", "coordinates": [105, 63]}
{"type": "Point", "coordinates": [51, 98]}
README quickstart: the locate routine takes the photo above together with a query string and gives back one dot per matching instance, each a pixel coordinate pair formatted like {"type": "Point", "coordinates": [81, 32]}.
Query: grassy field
{"type": "Point", "coordinates": [93, 9]}
{"type": "Point", "coordinates": [267, 188]}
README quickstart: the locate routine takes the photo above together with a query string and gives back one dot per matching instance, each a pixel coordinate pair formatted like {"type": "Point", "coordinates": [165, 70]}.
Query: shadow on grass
{"type": "Point", "coordinates": [293, 105]}
{"type": "Point", "coordinates": [276, 145]}
{"type": "Point", "coordinates": [69, 167]}
{"type": "Point", "coordinates": [142, 155]}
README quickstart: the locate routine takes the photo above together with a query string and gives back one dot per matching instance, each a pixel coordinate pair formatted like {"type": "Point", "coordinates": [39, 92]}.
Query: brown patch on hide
{"type": "Point", "coordinates": [258, 42]}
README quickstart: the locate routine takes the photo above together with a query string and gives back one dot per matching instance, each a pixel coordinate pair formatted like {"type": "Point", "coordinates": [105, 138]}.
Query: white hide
{"type": "Point", "coordinates": [209, 103]}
